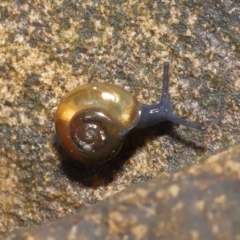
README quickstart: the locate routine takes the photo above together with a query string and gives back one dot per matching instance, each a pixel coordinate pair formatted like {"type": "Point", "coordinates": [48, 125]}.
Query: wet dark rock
{"type": "Point", "coordinates": [198, 202]}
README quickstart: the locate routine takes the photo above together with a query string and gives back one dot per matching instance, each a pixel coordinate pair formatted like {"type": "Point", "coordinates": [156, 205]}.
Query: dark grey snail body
{"type": "Point", "coordinates": [92, 120]}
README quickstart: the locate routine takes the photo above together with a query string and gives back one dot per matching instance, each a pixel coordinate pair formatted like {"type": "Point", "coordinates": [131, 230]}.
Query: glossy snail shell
{"type": "Point", "coordinates": [92, 119]}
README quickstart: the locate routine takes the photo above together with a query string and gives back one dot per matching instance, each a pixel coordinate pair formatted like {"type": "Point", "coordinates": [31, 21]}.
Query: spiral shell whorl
{"type": "Point", "coordinates": [87, 132]}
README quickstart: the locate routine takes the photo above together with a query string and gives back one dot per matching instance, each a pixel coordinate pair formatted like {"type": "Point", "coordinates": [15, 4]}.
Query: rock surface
{"type": "Point", "coordinates": [47, 48]}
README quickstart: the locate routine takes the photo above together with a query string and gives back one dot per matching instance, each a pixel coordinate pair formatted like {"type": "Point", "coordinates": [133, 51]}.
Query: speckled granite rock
{"type": "Point", "coordinates": [49, 47]}
{"type": "Point", "coordinates": [199, 202]}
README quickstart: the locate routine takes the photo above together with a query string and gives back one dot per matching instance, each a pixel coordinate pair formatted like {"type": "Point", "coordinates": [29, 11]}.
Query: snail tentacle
{"type": "Point", "coordinates": [163, 111]}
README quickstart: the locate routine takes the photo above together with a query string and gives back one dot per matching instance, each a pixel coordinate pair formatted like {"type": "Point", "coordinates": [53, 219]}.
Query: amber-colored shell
{"type": "Point", "coordinates": [92, 120]}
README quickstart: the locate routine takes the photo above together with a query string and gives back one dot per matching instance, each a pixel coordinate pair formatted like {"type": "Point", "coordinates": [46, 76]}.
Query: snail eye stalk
{"type": "Point", "coordinates": [163, 111]}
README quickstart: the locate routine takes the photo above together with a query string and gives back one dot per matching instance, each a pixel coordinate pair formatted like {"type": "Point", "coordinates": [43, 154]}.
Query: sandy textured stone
{"type": "Point", "coordinates": [47, 48]}
{"type": "Point", "coordinates": [194, 203]}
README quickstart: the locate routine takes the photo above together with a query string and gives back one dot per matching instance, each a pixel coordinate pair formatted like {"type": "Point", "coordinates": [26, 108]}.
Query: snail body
{"type": "Point", "coordinates": [92, 120]}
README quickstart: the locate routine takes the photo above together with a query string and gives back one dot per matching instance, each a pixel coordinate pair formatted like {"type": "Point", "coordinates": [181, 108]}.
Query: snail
{"type": "Point", "coordinates": [92, 120]}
